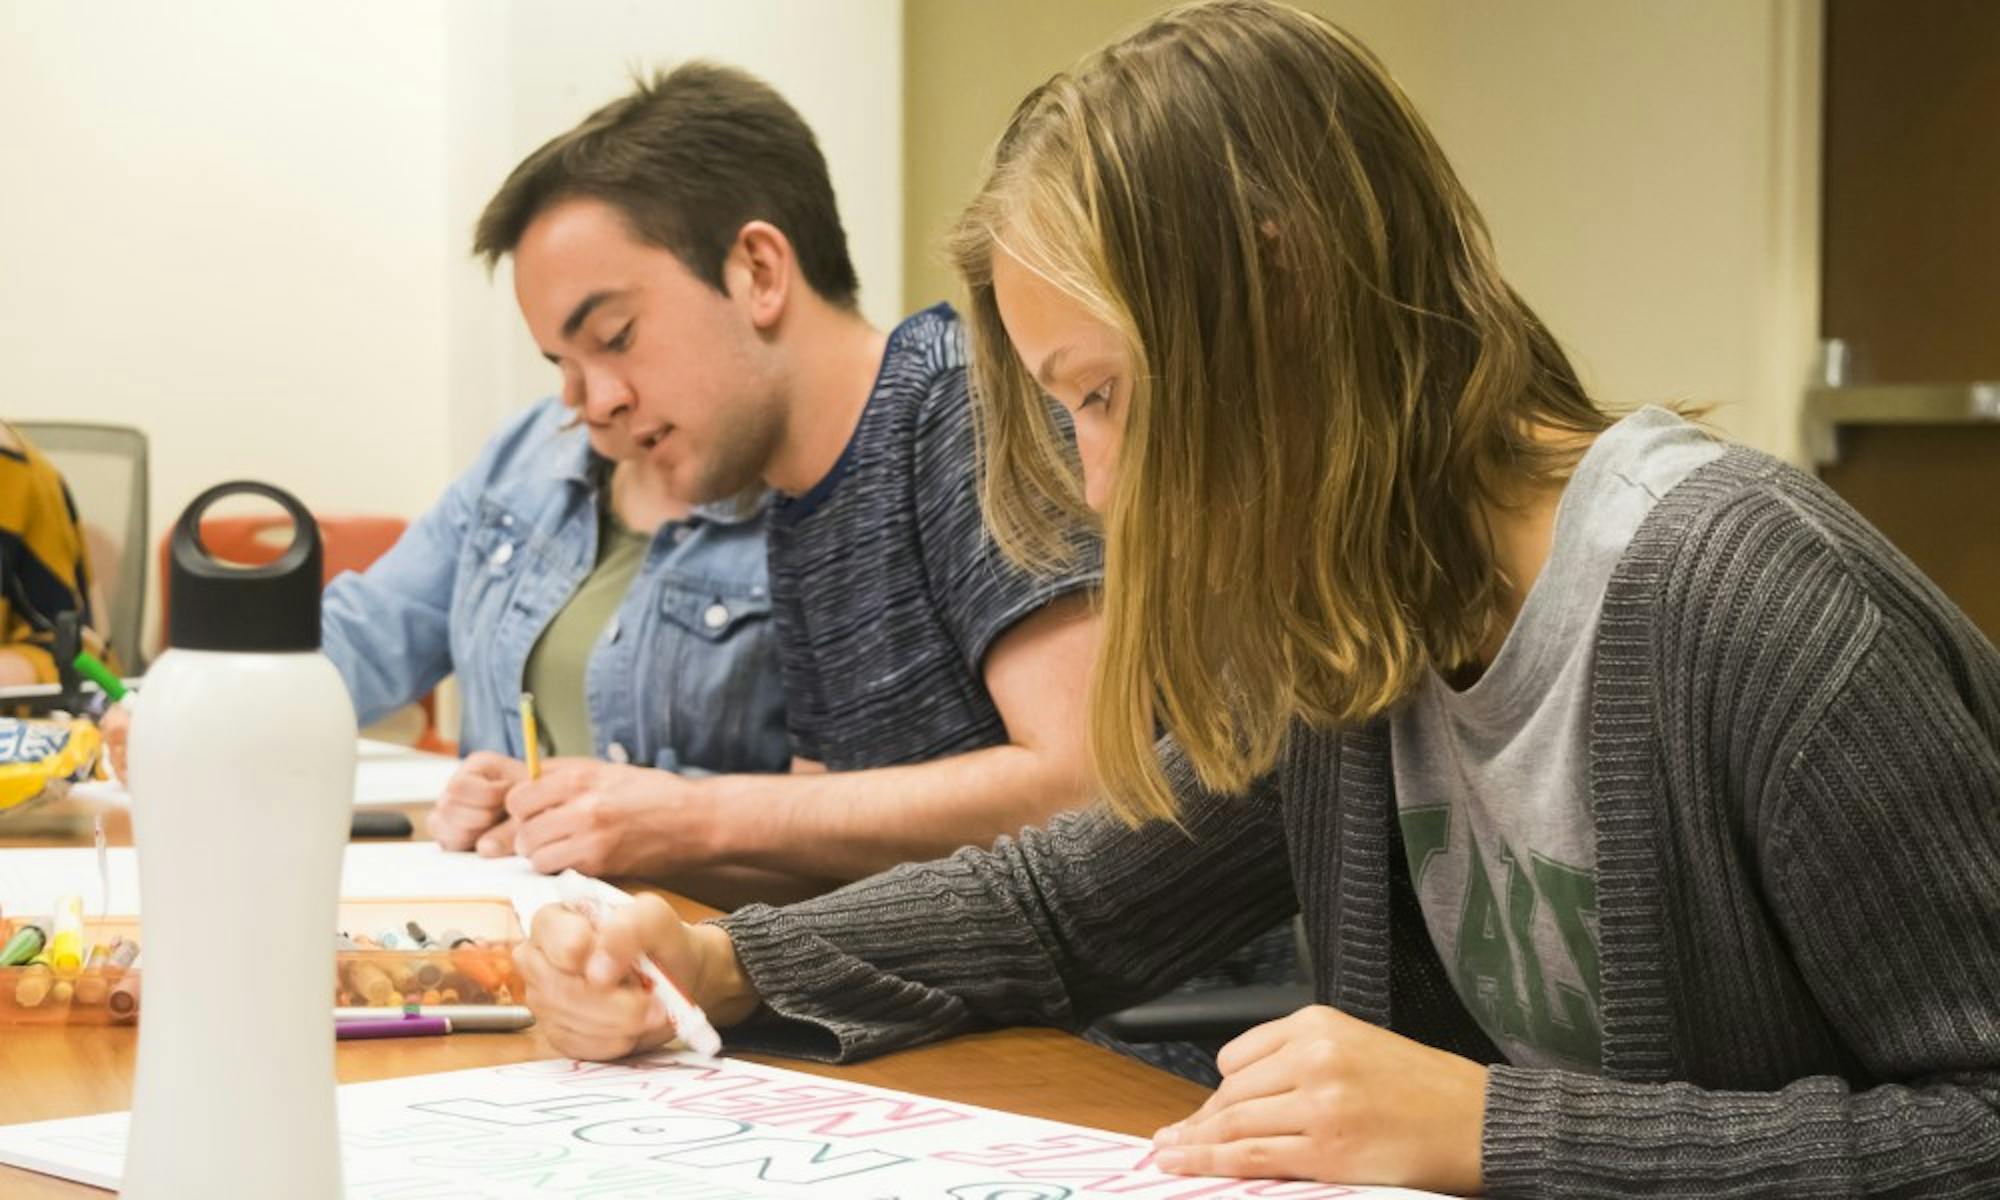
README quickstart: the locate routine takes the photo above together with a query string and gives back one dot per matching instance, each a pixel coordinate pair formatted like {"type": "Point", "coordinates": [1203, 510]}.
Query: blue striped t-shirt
{"type": "Point", "coordinates": [886, 588]}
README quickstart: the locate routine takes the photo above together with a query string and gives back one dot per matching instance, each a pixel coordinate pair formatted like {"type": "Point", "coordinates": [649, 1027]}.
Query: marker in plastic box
{"type": "Point", "coordinates": [66, 948]}
{"type": "Point", "coordinates": [92, 987]}
{"type": "Point", "coordinates": [27, 942]}
{"type": "Point", "coordinates": [124, 952]}
{"type": "Point", "coordinates": [464, 1018]}
{"type": "Point", "coordinates": [391, 1027]}
{"type": "Point", "coordinates": [124, 999]}
{"type": "Point", "coordinates": [35, 983]}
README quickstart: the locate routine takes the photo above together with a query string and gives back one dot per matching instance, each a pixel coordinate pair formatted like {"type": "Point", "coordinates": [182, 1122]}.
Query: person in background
{"type": "Point", "coordinates": [679, 257]}
{"type": "Point", "coordinates": [560, 564]}
{"type": "Point", "coordinates": [44, 568]}
{"type": "Point", "coordinates": [1642, 802]}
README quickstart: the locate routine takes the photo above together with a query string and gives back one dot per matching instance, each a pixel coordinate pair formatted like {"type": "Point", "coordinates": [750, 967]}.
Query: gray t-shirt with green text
{"type": "Point", "coordinates": [1493, 782]}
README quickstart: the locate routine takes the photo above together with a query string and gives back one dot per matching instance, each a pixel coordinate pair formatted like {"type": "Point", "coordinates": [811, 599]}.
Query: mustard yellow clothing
{"type": "Point", "coordinates": [43, 571]}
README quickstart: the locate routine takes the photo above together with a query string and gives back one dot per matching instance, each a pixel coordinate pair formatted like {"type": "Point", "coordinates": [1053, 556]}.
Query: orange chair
{"type": "Point", "coordinates": [347, 543]}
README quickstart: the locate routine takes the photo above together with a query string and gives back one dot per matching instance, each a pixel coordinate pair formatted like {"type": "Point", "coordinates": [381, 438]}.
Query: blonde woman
{"type": "Point", "coordinates": [1642, 803]}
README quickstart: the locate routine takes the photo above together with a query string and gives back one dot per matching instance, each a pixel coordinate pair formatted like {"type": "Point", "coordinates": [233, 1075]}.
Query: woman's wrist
{"type": "Point", "coordinates": [726, 993]}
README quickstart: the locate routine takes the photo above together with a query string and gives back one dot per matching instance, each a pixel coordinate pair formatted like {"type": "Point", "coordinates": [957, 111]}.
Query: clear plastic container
{"type": "Point", "coordinates": [468, 959]}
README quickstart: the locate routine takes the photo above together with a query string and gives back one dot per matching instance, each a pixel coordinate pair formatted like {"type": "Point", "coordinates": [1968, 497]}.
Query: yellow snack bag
{"type": "Point", "coordinates": [43, 757]}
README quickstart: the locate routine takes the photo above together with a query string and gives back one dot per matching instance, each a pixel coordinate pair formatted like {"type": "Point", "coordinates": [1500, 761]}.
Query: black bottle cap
{"type": "Point", "coordinates": [273, 608]}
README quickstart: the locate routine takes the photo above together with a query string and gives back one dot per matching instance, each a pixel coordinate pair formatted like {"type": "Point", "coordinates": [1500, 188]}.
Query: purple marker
{"type": "Point", "coordinates": [391, 1027]}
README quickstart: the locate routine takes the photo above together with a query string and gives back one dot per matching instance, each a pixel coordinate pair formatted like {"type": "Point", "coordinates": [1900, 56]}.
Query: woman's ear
{"type": "Point", "coordinates": [760, 272]}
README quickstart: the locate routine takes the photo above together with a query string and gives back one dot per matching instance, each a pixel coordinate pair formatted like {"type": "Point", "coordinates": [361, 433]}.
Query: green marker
{"type": "Point", "coordinates": [90, 668]}
{"type": "Point", "coordinates": [24, 945]}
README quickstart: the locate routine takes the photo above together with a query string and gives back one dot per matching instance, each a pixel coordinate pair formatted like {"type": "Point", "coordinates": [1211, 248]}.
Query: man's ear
{"type": "Point", "coordinates": [760, 272]}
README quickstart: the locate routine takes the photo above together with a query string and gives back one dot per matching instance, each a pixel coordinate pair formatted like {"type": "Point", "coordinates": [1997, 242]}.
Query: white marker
{"type": "Point", "coordinates": [585, 897]}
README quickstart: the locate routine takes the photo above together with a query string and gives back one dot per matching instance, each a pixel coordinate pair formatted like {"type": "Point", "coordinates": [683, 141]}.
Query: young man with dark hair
{"type": "Point", "coordinates": [679, 257]}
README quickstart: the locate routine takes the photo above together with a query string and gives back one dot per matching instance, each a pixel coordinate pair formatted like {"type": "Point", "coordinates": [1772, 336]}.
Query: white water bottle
{"type": "Point", "coordinates": [241, 772]}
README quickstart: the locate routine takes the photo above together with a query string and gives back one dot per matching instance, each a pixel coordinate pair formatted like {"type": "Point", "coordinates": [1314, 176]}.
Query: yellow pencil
{"type": "Point", "coordinates": [529, 736]}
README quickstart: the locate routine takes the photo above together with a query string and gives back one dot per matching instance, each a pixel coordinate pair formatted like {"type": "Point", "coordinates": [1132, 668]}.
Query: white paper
{"type": "Point", "coordinates": [384, 774]}
{"type": "Point", "coordinates": [32, 879]}
{"type": "Point", "coordinates": [375, 748]}
{"type": "Point", "coordinates": [391, 869]}
{"type": "Point", "coordinates": [671, 1125]}
{"type": "Point", "coordinates": [418, 779]}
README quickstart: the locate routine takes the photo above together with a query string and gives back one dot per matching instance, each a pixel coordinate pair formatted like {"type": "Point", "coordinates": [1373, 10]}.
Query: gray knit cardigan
{"type": "Point", "coordinates": [1795, 783]}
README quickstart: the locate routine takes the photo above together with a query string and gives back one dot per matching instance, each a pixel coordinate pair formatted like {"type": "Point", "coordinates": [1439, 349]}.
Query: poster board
{"type": "Point", "coordinates": [673, 1125]}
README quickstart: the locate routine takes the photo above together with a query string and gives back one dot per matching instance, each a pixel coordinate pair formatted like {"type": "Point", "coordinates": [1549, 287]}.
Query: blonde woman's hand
{"type": "Point", "coordinates": [584, 985]}
{"type": "Point", "coordinates": [1322, 1095]}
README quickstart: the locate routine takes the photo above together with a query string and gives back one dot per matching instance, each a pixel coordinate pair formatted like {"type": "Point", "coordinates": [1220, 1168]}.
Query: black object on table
{"type": "Point", "coordinates": [380, 825]}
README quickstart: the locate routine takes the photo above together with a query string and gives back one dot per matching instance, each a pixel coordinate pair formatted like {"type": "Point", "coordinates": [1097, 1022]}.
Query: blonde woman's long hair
{"type": "Point", "coordinates": [1331, 379]}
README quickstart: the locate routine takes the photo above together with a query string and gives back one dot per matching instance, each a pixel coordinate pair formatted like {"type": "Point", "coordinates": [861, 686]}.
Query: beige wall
{"type": "Point", "coordinates": [243, 227]}
{"type": "Point", "coordinates": [225, 225]}
{"type": "Point", "coordinates": [1649, 171]}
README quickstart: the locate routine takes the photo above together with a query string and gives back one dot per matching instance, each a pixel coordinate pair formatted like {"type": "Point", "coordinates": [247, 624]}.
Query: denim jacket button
{"type": "Point", "coordinates": [503, 554]}
{"type": "Point", "coordinates": [612, 632]}
{"type": "Point", "coordinates": [617, 753]}
{"type": "Point", "coordinates": [716, 617]}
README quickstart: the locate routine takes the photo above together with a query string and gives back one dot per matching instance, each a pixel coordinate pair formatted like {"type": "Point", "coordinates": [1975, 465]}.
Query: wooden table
{"type": "Point", "coordinates": [55, 1071]}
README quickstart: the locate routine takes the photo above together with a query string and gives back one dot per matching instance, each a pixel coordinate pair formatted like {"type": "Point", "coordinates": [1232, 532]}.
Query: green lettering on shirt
{"type": "Point", "coordinates": [1486, 966]}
